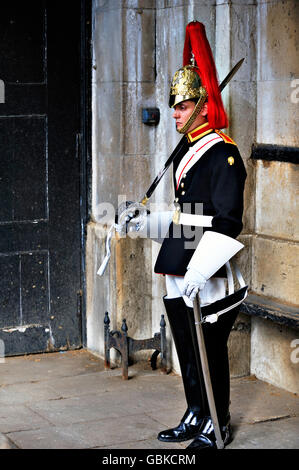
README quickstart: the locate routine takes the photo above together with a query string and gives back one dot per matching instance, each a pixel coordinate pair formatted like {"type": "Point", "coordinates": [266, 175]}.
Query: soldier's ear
{"type": "Point", "coordinates": [204, 109]}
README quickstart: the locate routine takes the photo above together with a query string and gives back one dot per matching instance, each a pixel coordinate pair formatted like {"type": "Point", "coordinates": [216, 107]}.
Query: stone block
{"type": "Point", "coordinates": [274, 354]}
{"type": "Point", "coordinates": [108, 117]}
{"type": "Point", "coordinates": [170, 33]}
{"type": "Point", "coordinates": [5, 443]}
{"type": "Point", "coordinates": [269, 435]}
{"type": "Point", "coordinates": [275, 273]}
{"type": "Point", "coordinates": [124, 290]}
{"type": "Point", "coordinates": [243, 39]}
{"type": "Point", "coordinates": [133, 286]}
{"type": "Point", "coordinates": [244, 258]}
{"type": "Point", "coordinates": [278, 40]}
{"type": "Point", "coordinates": [139, 138]}
{"type": "Point", "coordinates": [277, 113]}
{"type": "Point", "coordinates": [242, 117]}
{"type": "Point", "coordinates": [19, 417]}
{"type": "Point", "coordinates": [179, 3]}
{"type": "Point", "coordinates": [276, 210]}
{"type": "Point", "coordinates": [107, 34]}
{"type": "Point", "coordinates": [129, 29]}
{"type": "Point", "coordinates": [138, 45]}
{"type": "Point", "coordinates": [139, 4]}
{"type": "Point", "coordinates": [134, 177]}
{"type": "Point", "coordinates": [249, 199]}
{"type": "Point", "coordinates": [98, 297]}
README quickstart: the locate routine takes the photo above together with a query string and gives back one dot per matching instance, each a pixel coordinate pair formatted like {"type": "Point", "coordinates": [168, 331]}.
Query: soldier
{"type": "Point", "coordinates": [207, 170]}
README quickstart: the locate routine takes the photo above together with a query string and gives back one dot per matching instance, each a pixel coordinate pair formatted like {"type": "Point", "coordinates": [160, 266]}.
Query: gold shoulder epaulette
{"type": "Point", "coordinates": [225, 137]}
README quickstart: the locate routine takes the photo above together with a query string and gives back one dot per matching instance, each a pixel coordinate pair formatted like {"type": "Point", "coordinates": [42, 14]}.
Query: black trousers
{"type": "Point", "coordinates": [182, 324]}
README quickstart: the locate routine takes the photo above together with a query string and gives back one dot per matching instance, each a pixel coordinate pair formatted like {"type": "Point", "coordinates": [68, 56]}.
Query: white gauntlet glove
{"type": "Point", "coordinates": [193, 283]}
{"type": "Point", "coordinates": [131, 217]}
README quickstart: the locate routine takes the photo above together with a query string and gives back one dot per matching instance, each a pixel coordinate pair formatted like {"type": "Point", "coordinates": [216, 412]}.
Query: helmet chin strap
{"type": "Point", "coordinates": [198, 107]}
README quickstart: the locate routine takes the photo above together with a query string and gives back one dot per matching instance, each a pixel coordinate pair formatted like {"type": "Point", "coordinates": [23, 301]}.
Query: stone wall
{"type": "Point", "coordinates": [122, 150]}
{"type": "Point", "coordinates": [275, 246]}
{"type": "Point", "coordinates": [137, 46]}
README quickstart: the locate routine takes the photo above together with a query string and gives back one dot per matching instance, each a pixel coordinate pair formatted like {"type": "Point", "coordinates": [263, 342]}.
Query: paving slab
{"type": "Point", "coordinates": [19, 418]}
{"type": "Point", "coordinates": [273, 434]}
{"type": "Point", "coordinates": [47, 366]}
{"type": "Point", "coordinates": [68, 401]}
{"type": "Point", "coordinates": [87, 435]}
{"type": "Point", "coordinates": [254, 401]}
{"type": "Point", "coordinates": [5, 443]}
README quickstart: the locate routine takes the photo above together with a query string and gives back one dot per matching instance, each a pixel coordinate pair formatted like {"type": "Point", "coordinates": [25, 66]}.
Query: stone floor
{"type": "Point", "coordinates": [66, 400]}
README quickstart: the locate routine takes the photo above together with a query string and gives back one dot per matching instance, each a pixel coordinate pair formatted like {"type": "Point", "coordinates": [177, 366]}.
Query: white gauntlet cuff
{"type": "Point", "coordinates": [212, 252]}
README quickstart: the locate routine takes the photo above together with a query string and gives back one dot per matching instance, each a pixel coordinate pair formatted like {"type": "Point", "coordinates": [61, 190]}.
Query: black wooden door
{"type": "Point", "coordinates": [40, 224]}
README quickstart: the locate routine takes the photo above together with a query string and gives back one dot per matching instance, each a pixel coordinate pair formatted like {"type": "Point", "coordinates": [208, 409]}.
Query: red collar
{"type": "Point", "coordinates": [199, 132]}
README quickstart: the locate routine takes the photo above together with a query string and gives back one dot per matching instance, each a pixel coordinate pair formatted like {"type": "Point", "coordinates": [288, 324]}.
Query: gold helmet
{"type": "Point", "coordinates": [197, 79]}
{"type": "Point", "coordinates": [186, 85]}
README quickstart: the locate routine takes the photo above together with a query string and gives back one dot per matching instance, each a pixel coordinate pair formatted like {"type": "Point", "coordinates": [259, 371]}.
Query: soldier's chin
{"type": "Point", "coordinates": [179, 128]}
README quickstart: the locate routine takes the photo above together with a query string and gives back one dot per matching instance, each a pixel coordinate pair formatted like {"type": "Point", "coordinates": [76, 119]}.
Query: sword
{"type": "Point", "coordinates": [130, 212]}
{"type": "Point", "coordinates": [206, 371]}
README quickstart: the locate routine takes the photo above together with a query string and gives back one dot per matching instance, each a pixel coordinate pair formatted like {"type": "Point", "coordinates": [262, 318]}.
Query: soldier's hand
{"type": "Point", "coordinates": [194, 282]}
{"type": "Point", "coordinates": [131, 217]}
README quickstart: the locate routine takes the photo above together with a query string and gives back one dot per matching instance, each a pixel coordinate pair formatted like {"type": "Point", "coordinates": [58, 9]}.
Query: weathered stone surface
{"type": "Point", "coordinates": [139, 137]}
{"type": "Point", "coordinates": [275, 354]}
{"type": "Point", "coordinates": [276, 106]}
{"type": "Point", "coordinates": [98, 300]}
{"type": "Point", "coordinates": [276, 209]}
{"type": "Point", "coordinates": [107, 30]}
{"type": "Point", "coordinates": [96, 408]}
{"type": "Point", "coordinates": [243, 44]}
{"type": "Point", "coordinates": [239, 347]}
{"type": "Point", "coordinates": [274, 269]}
{"type": "Point", "coordinates": [278, 40]}
{"type": "Point", "coordinates": [5, 443]}
{"type": "Point", "coordinates": [139, 45]}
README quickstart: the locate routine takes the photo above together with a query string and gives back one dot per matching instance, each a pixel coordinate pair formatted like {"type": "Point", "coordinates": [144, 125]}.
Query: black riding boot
{"type": "Point", "coordinates": [216, 337]}
{"type": "Point", "coordinates": [181, 320]}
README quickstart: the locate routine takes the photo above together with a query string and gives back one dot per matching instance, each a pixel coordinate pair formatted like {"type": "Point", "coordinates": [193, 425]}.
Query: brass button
{"type": "Point", "coordinates": [182, 193]}
{"type": "Point", "coordinates": [176, 199]}
{"type": "Point", "coordinates": [184, 175]}
{"type": "Point", "coordinates": [182, 185]}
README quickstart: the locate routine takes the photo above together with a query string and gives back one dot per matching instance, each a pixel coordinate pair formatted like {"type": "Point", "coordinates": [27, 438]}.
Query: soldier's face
{"type": "Point", "coordinates": [182, 112]}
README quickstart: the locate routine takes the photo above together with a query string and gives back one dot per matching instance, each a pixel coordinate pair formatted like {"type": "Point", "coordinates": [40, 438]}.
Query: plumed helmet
{"type": "Point", "coordinates": [198, 79]}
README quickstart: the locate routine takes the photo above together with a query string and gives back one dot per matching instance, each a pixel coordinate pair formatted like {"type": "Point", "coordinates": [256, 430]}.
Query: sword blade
{"type": "Point", "coordinates": [230, 75]}
{"type": "Point", "coordinates": [206, 372]}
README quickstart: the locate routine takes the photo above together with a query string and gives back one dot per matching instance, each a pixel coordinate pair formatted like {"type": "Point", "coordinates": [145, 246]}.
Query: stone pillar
{"type": "Point", "coordinates": [275, 245]}
{"type": "Point", "coordinates": [123, 38]}
{"type": "Point", "coordinates": [236, 39]}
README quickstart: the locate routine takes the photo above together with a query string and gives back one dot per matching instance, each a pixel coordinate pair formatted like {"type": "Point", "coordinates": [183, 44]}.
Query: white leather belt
{"type": "Point", "coordinates": [196, 220]}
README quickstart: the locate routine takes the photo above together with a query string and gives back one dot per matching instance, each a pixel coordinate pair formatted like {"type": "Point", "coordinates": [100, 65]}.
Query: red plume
{"type": "Point", "coordinates": [196, 41]}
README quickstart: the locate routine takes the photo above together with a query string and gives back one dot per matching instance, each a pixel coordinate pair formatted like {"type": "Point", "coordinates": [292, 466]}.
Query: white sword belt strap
{"type": "Point", "coordinates": [195, 220]}
{"type": "Point", "coordinates": [230, 280]}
